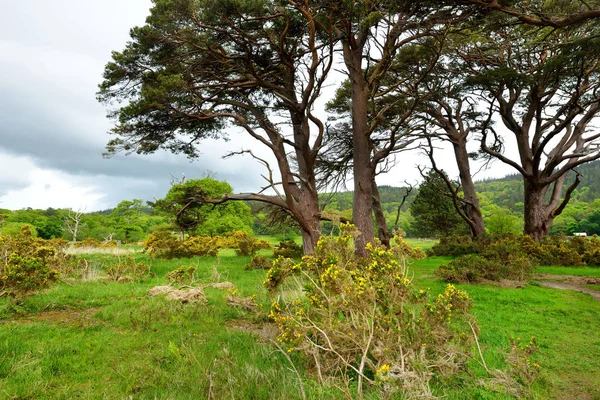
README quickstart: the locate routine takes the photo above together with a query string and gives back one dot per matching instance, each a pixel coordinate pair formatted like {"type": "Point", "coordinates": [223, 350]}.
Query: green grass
{"type": "Point", "coordinates": [425, 244]}
{"type": "Point", "coordinates": [577, 271]}
{"type": "Point", "coordinates": [97, 339]}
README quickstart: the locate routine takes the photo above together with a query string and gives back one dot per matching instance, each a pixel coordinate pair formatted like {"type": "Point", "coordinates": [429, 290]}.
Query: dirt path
{"type": "Point", "coordinates": [569, 282]}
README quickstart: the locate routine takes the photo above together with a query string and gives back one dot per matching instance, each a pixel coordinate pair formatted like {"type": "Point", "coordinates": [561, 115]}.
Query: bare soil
{"type": "Point", "coordinates": [569, 282]}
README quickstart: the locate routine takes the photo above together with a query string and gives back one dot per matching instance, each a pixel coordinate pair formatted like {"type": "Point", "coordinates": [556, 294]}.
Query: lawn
{"type": "Point", "coordinates": [98, 339]}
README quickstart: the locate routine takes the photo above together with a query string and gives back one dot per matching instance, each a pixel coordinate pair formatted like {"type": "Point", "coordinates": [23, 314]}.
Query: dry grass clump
{"type": "Point", "coordinates": [113, 251]}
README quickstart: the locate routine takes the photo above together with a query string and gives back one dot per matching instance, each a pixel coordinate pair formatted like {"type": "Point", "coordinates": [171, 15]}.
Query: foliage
{"type": "Point", "coordinates": [454, 246]}
{"type": "Point", "coordinates": [184, 206]}
{"type": "Point", "coordinates": [259, 262]}
{"type": "Point", "coordinates": [181, 275]}
{"type": "Point", "coordinates": [127, 269]}
{"type": "Point", "coordinates": [475, 268]}
{"type": "Point", "coordinates": [434, 212]}
{"type": "Point", "coordinates": [162, 244]}
{"type": "Point", "coordinates": [28, 263]}
{"type": "Point", "coordinates": [495, 257]}
{"type": "Point", "coordinates": [363, 318]}
{"type": "Point", "coordinates": [91, 242]}
{"type": "Point", "coordinates": [288, 249]}
{"type": "Point", "coordinates": [520, 360]}
{"type": "Point", "coordinates": [245, 244]}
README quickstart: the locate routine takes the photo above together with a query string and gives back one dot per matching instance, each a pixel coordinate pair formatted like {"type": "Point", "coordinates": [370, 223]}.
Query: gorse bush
{"type": "Point", "coordinates": [127, 269]}
{"type": "Point", "coordinates": [245, 244]}
{"type": "Point", "coordinates": [289, 249]}
{"type": "Point", "coordinates": [362, 319]}
{"type": "Point", "coordinates": [511, 256]}
{"type": "Point", "coordinates": [162, 244]}
{"type": "Point", "coordinates": [28, 263]}
{"type": "Point", "coordinates": [259, 262]}
{"type": "Point", "coordinates": [181, 275]}
{"type": "Point", "coordinates": [91, 242]}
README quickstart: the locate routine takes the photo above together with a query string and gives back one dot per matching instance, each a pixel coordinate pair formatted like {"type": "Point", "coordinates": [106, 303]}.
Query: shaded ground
{"type": "Point", "coordinates": [570, 282]}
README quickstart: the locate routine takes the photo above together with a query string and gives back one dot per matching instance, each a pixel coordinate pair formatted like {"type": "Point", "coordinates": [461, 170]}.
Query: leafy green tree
{"type": "Point", "coordinates": [128, 217]}
{"type": "Point", "coordinates": [185, 206]}
{"type": "Point", "coordinates": [545, 87]}
{"type": "Point", "coordinates": [501, 220]}
{"type": "Point", "coordinates": [433, 211]}
{"type": "Point", "coordinates": [198, 66]}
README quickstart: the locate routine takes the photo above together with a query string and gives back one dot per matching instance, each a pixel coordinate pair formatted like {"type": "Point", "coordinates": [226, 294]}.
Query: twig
{"type": "Point", "coordinates": [293, 367]}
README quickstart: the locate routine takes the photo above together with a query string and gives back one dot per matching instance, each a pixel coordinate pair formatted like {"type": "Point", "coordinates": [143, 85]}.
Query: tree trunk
{"type": "Point", "coordinates": [362, 214]}
{"type": "Point", "coordinates": [309, 216]}
{"type": "Point", "coordinates": [472, 210]}
{"type": "Point", "coordinates": [382, 230]}
{"type": "Point", "coordinates": [537, 218]}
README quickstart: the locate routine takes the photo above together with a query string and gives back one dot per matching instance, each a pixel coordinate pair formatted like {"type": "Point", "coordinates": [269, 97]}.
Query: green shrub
{"type": "Point", "coordinates": [453, 246]}
{"type": "Point", "coordinates": [259, 262]}
{"type": "Point", "coordinates": [202, 246]}
{"type": "Point", "coordinates": [162, 244]}
{"type": "Point", "coordinates": [288, 249]}
{"type": "Point", "coordinates": [91, 242]}
{"type": "Point", "coordinates": [475, 268]}
{"type": "Point", "coordinates": [127, 269]}
{"type": "Point", "coordinates": [362, 319]}
{"type": "Point", "coordinates": [245, 244]}
{"type": "Point", "coordinates": [28, 263]}
{"type": "Point", "coordinates": [181, 275]}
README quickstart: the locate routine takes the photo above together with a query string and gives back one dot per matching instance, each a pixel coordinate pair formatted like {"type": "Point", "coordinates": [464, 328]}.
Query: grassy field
{"type": "Point", "coordinates": [92, 339]}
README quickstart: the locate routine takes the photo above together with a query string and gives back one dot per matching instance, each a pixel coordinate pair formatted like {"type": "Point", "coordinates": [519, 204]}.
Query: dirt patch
{"type": "Point", "coordinates": [572, 279]}
{"type": "Point", "coordinates": [68, 317]}
{"type": "Point", "coordinates": [569, 282]}
{"type": "Point", "coordinates": [267, 332]}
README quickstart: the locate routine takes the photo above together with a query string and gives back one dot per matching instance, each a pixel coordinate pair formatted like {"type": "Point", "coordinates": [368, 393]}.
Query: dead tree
{"type": "Point", "coordinates": [72, 222]}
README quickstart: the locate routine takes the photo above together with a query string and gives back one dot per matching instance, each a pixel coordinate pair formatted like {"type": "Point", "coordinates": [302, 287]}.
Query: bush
{"type": "Point", "coordinates": [259, 262]}
{"type": "Point", "coordinates": [181, 275]}
{"type": "Point", "coordinates": [162, 244]}
{"type": "Point", "coordinates": [127, 269]}
{"type": "Point", "coordinates": [454, 246]}
{"type": "Point", "coordinates": [362, 319]}
{"type": "Point", "coordinates": [95, 243]}
{"type": "Point", "coordinates": [28, 263]}
{"type": "Point", "coordinates": [475, 268]}
{"type": "Point", "coordinates": [511, 256]}
{"type": "Point", "coordinates": [245, 244]}
{"type": "Point", "coordinates": [289, 249]}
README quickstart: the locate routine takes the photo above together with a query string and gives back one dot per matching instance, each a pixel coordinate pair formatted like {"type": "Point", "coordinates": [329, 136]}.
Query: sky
{"type": "Point", "coordinates": [53, 130]}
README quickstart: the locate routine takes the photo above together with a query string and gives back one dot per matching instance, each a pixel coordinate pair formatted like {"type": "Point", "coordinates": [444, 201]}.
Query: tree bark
{"type": "Point", "coordinates": [471, 201]}
{"type": "Point", "coordinates": [363, 170]}
{"type": "Point", "coordinates": [382, 230]}
{"type": "Point", "coordinates": [537, 219]}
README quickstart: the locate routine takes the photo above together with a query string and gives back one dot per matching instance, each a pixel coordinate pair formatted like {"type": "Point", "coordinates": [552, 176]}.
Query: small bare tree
{"type": "Point", "coordinates": [72, 222]}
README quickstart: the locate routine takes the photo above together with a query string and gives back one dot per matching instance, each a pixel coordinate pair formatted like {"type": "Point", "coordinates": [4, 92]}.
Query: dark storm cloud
{"type": "Point", "coordinates": [54, 139]}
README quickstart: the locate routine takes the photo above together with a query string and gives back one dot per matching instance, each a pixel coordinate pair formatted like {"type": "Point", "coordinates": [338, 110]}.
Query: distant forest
{"type": "Point", "coordinates": [501, 202]}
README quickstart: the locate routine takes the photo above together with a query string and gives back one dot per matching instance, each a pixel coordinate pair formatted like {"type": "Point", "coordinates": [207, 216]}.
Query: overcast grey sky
{"type": "Point", "coordinates": [53, 131]}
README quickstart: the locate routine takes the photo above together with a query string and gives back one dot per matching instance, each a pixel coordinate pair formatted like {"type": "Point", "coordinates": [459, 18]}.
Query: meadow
{"type": "Point", "coordinates": [93, 338]}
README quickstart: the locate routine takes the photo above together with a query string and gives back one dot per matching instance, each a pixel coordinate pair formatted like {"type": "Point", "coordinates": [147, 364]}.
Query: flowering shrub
{"type": "Point", "coordinates": [162, 244]}
{"type": "Point", "coordinates": [181, 275]}
{"type": "Point", "coordinates": [28, 263]}
{"type": "Point", "coordinates": [259, 262]}
{"type": "Point", "coordinates": [91, 242]}
{"type": "Point", "coordinates": [127, 269]}
{"type": "Point", "coordinates": [245, 244]}
{"type": "Point", "coordinates": [288, 249]}
{"type": "Point", "coordinates": [362, 317]}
